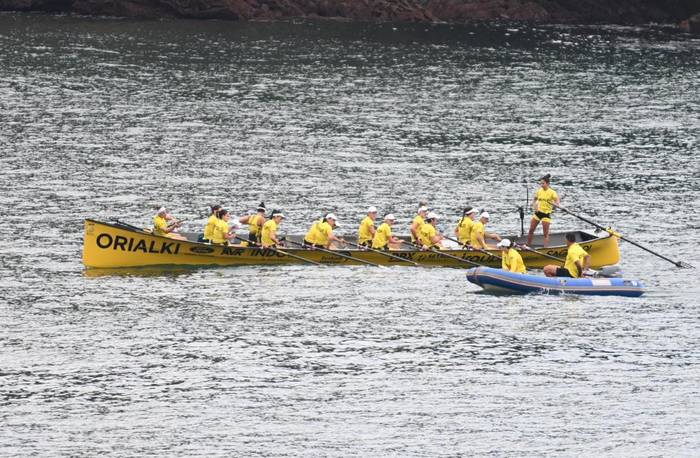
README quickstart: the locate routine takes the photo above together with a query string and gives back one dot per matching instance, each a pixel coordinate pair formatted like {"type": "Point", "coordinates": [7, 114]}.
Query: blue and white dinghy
{"type": "Point", "coordinates": [498, 280]}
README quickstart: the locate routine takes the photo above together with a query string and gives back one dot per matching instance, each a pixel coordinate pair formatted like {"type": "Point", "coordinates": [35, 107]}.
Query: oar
{"type": "Point", "coordinates": [527, 248]}
{"type": "Point", "coordinates": [277, 250]}
{"type": "Point", "coordinates": [473, 248]}
{"type": "Point", "coordinates": [450, 256]}
{"type": "Point", "coordinates": [383, 253]}
{"type": "Point", "coordinates": [676, 263]}
{"type": "Point", "coordinates": [338, 254]}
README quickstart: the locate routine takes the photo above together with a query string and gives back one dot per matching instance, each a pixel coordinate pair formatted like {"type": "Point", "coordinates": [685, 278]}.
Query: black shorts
{"type": "Point", "coordinates": [308, 244]}
{"type": "Point", "coordinates": [367, 244]}
{"type": "Point", "coordinates": [384, 248]}
{"type": "Point", "coordinates": [562, 272]}
{"type": "Point", "coordinates": [253, 237]}
{"type": "Point", "coordinates": [540, 216]}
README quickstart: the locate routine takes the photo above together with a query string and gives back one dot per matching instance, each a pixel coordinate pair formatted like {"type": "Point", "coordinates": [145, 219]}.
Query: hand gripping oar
{"type": "Point", "coordinates": [469, 247]}
{"type": "Point", "coordinates": [450, 256]}
{"type": "Point", "coordinates": [277, 250]}
{"type": "Point", "coordinates": [383, 253]}
{"type": "Point", "coordinates": [331, 252]}
{"type": "Point", "coordinates": [611, 232]}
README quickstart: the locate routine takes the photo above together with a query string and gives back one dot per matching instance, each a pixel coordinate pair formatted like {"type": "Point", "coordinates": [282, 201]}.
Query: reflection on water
{"type": "Point", "coordinates": [105, 118]}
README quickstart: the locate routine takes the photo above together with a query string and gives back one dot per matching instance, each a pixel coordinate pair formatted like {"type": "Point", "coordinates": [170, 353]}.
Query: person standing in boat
{"type": "Point", "coordinates": [479, 234]}
{"type": "Point", "coordinates": [429, 237]}
{"type": "Point", "coordinates": [211, 223]}
{"type": "Point", "coordinates": [511, 260]}
{"type": "Point", "coordinates": [383, 238]}
{"type": "Point", "coordinates": [543, 208]}
{"type": "Point", "coordinates": [418, 221]}
{"type": "Point", "coordinates": [223, 233]}
{"type": "Point", "coordinates": [165, 225]}
{"type": "Point", "coordinates": [366, 232]}
{"type": "Point", "coordinates": [268, 234]}
{"type": "Point", "coordinates": [463, 231]}
{"type": "Point", "coordinates": [321, 233]}
{"type": "Point", "coordinates": [255, 223]}
{"type": "Point", "coordinates": [577, 260]}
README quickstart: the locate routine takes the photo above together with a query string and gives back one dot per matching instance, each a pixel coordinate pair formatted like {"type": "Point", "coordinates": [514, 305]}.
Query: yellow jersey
{"type": "Point", "coordinates": [575, 253]}
{"type": "Point", "coordinates": [513, 262]}
{"type": "Point", "coordinates": [426, 234]}
{"type": "Point", "coordinates": [269, 228]}
{"type": "Point", "coordinates": [160, 226]}
{"type": "Point", "coordinates": [464, 230]}
{"type": "Point", "coordinates": [477, 228]}
{"type": "Point", "coordinates": [255, 223]}
{"type": "Point", "coordinates": [320, 233]}
{"type": "Point", "coordinates": [219, 233]}
{"type": "Point", "coordinates": [545, 199]}
{"type": "Point", "coordinates": [420, 221]}
{"type": "Point", "coordinates": [382, 236]}
{"type": "Point", "coordinates": [209, 228]}
{"type": "Point", "coordinates": [364, 234]}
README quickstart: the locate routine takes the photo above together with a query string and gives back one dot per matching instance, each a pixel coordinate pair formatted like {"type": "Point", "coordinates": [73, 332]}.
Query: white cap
{"type": "Point", "coordinates": [484, 215]}
{"type": "Point", "coordinates": [504, 243]}
{"type": "Point", "coordinates": [161, 210]}
{"type": "Point", "coordinates": [423, 209]}
{"type": "Point", "coordinates": [278, 214]}
{"type": "Point", "coordinates": [472, 210]}
{"type": "Point", "coordinates": [372, 209]}
{"type": "Point", "coordinates": [431, 215]}
{"type": "Point", "coordinates": [390, 217]}
{"type": "Point", "coordinates": [331, 216]}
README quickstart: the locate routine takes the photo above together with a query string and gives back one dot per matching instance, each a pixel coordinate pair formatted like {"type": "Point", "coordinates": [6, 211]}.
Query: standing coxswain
{"type": "Point", "coordinates": [165, 225]}
{"type": "Point", "coordinates": [542, 206]}
{"type": "Point", "coordinates": [268, 234]}
{"type": "Point", "coordinates": [418, 221]}
{"type": "Point", "coordinates": [577, 260]}
{"type": "Point", "coordinates": [383, 238]}
{"type": "Point", "coordinates": [510, 258]}
{"type": "Point", "coordinates": [463, 231]}
{"type": "Point", "coordinates": [429, 237]}
{"type": "Point", "coordinates": [320, 235]}
{"type": "Point", "coordinates": [366, 232]}
{"type": "Point", "coordinates": [479, 234]}
{"type": "Point", "coordinates": [255, 223]}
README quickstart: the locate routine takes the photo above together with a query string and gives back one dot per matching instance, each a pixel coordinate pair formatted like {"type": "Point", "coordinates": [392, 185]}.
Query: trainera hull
{"type": "Point", "coordinates": [115, 245]}
{"type": "Point", "coordinates": [500, 281]}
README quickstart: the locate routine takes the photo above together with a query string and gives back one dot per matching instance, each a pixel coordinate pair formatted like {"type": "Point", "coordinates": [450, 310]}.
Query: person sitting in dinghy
{"type": "Point", "coordinates": [165, 225]}
{"type": "Point", "coordinates": [511, 260]}
{"type": "Point", "coordinates": [577, 261]}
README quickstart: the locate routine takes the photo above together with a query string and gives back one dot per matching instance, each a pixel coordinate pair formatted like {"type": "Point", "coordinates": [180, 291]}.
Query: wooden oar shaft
{"type": "Point", "coordinates": [389, 255]}
{"type": "Point", "coordinates": [433, 250]}
{"type": "Point", "coordinates": [676, 263]}
{"type": "Point", "coordinates": [474, 249]}
{"type": "Point", "coordinates": [527, 248]}
{"type": "Point", "coordinates": [277, 250]}
{"type": "Point", "coordinates": [334, 253]}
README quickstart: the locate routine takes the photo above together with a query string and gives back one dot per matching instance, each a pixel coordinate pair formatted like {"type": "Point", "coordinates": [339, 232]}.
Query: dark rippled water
{"type": "Point", "coordinates": [108, 118]}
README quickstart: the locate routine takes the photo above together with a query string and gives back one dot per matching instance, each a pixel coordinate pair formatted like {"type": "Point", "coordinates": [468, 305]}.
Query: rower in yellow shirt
{"type": "Point", "coordinates": [320, 235]}
{"type": "Point", "coordinates": [479, 234]}
{"type": "Point", "coordinates": [428, 236]}
{"type": "Point", "coordinates": [383, 239]}
{"type": "Point", "coordinates": [211, 223]}
{"type": "Point", "coordinates": [418, 221]}
{"type": "Point", "coordinates": [165, 225]}
{"type": "Point", "coordinates": [543, 208]}
{"type": "Point", "coordinates": [268, 235]}
{"type": "Point", "coordinates": [577, 260]}
{"type": "Point", "coordinates": [255, 223]}
{"type": "Point", "coordinates": [510, 258]}
{"type": "Point", "coordinates": [366, 232]}
{"type": "Point", "coordinates": [224, 231]}
{"type": "Point", "coordinates": [463, 231]}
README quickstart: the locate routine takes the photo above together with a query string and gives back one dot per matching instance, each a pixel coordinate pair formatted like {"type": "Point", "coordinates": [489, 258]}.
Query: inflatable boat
{"type": "Point", "coordinates": [498, 280]}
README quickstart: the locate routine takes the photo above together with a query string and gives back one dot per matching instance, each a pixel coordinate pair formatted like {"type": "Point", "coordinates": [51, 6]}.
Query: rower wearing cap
{"type": "Point", "coordinates": [211, 223]}
{"type": "Point", "coordinates": [321, 233]}
{"type": "Point", "coordinates": [255, 223]}
{"type": "Point", "coordinates": [223, 231]}
{"type": "Point", "coordinates": [463, 231]}
{"type": "Point", "coordinates": [366, 232]}
{"type": "Point", "coordinates": [165, 225]}
{"type": "Point", "coordinates": [383, 239]}
{"type": "Point", "coordinates": [268, 234]}
{"type": "Point", "coordinates": [577, 260]}
{"type": "Point", "coordinates": [510, 258]}
{"type": "Point", "coordinates": [428, 235]}
{"type": "Point", "coordinates": [543, 208]}
{"type": "Point", "coordinates": [418, 221]}
{"type": "Point", "coordinates": [479, 234]}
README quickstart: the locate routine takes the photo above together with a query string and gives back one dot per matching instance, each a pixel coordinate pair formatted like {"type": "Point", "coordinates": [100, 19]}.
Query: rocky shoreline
{"type": "Point", "coordinates": [454, 11]}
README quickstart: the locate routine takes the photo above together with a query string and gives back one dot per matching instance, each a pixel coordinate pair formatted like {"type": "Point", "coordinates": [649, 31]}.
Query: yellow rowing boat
{"type": "Point", "coordinates": [114, 245]}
